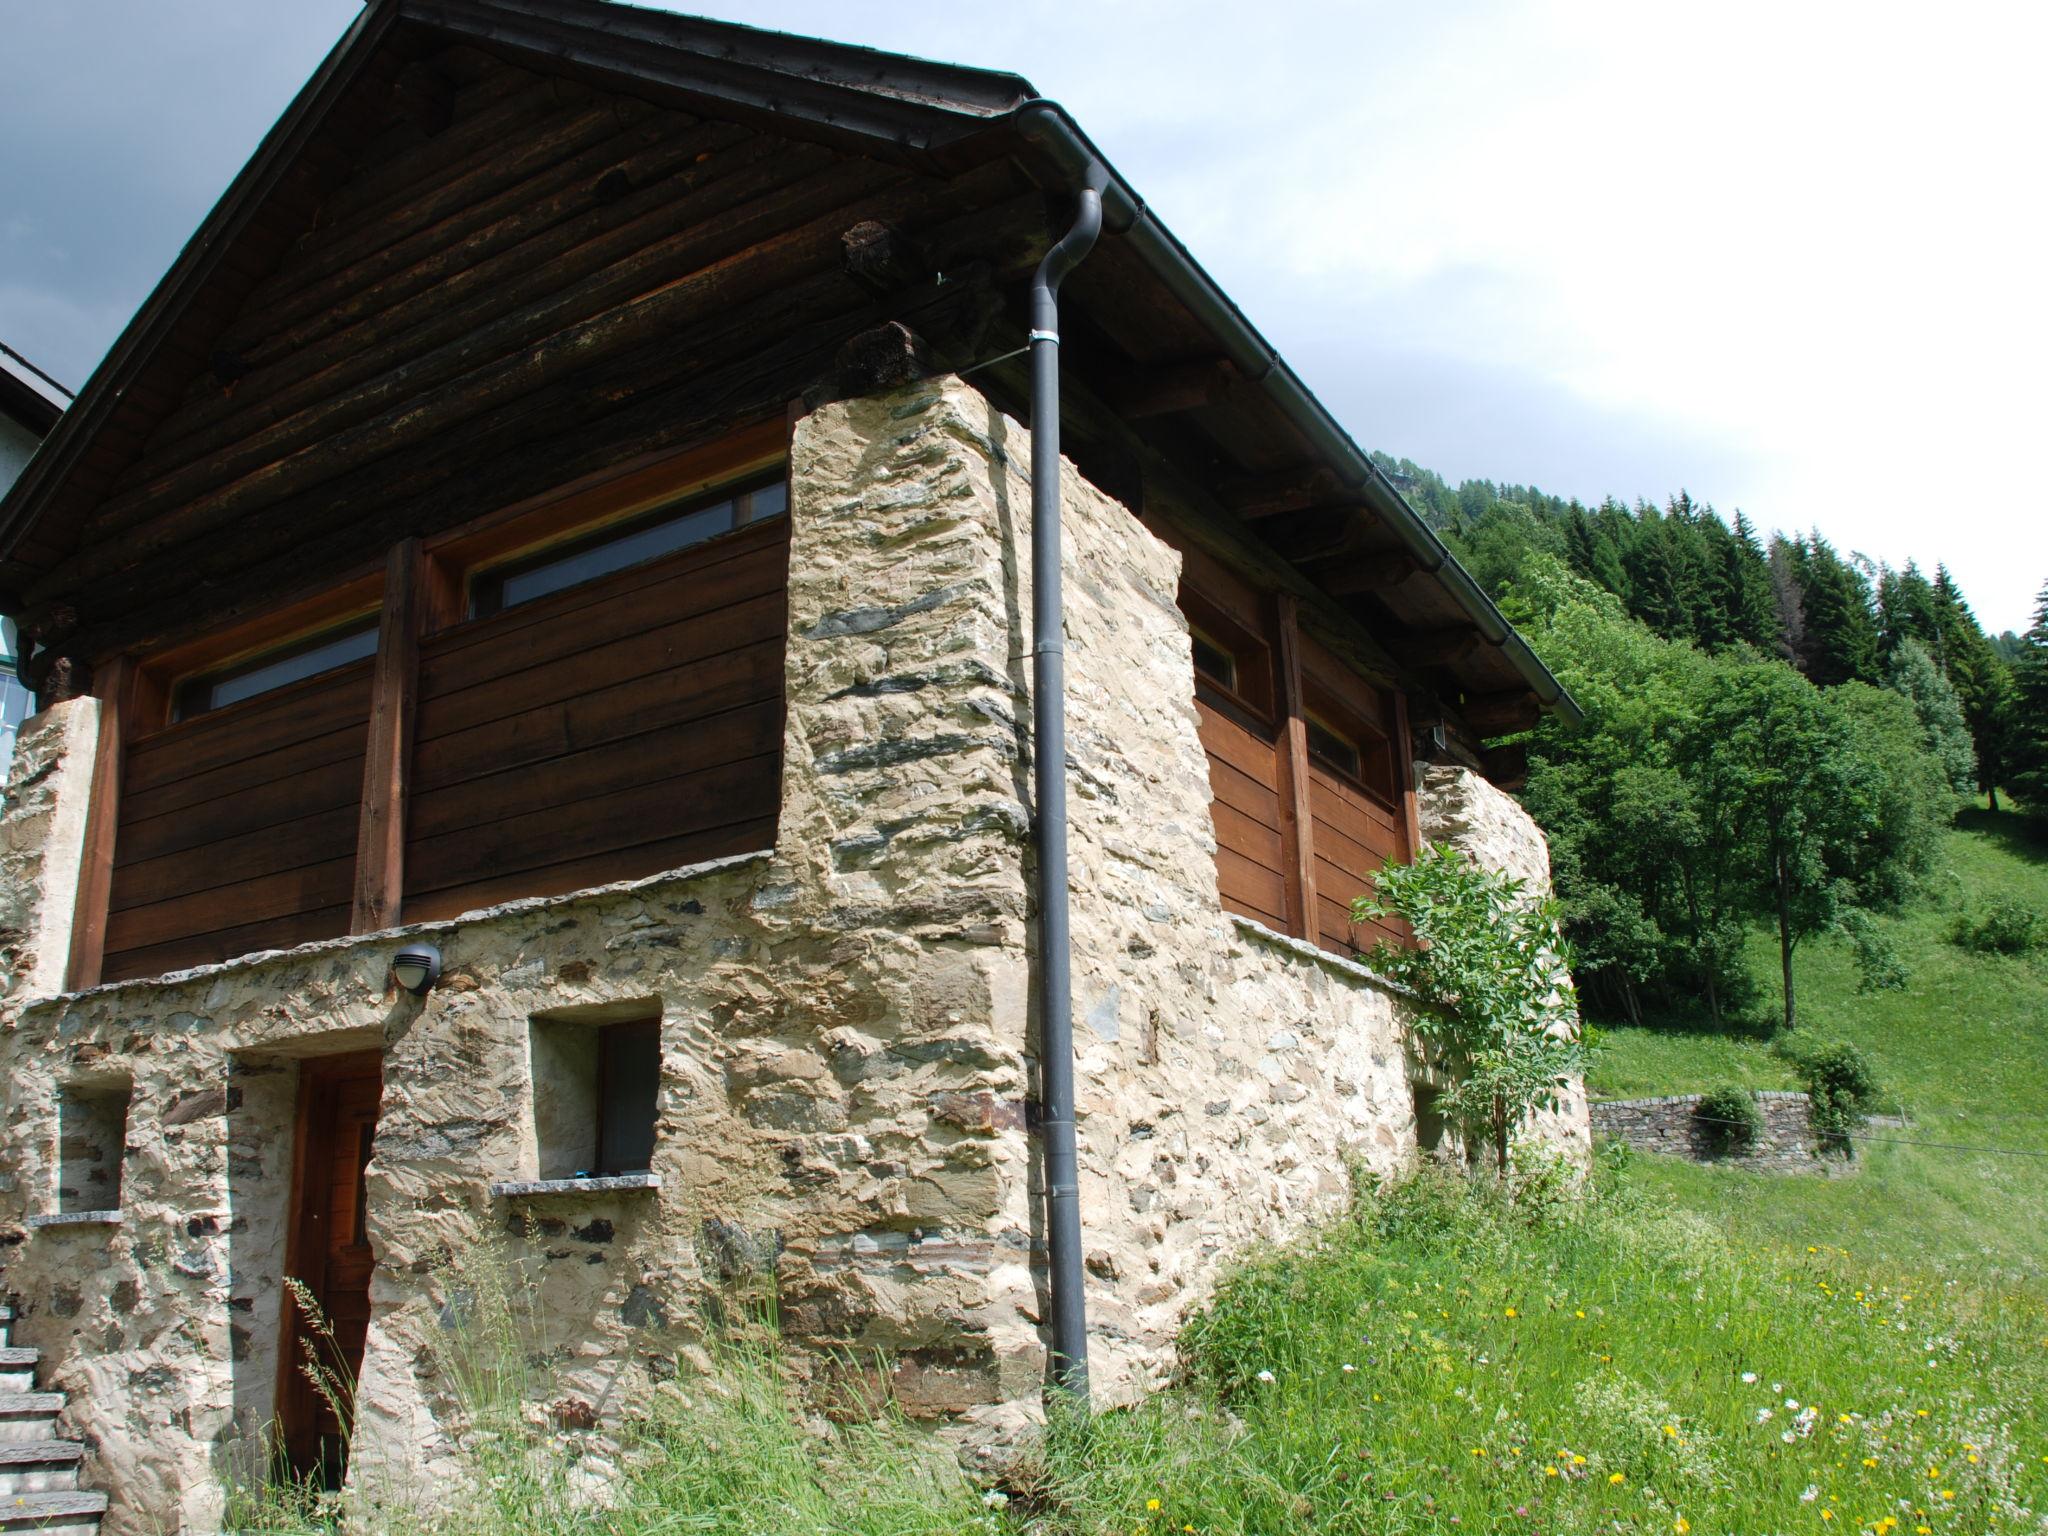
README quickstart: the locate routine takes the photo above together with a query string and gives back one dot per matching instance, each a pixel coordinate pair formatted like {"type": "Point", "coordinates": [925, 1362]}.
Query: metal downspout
{"type": "Point", "coordinates": [1049, 775]}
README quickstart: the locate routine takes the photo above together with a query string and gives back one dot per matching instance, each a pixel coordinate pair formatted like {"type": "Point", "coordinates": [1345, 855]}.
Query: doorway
{"type": "Point", "coordinates": [328, 1249]}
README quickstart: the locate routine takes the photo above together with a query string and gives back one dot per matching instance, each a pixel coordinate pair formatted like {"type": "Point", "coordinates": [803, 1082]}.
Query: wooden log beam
{"type": "Point", "coordinates": [1501, 714]}
{"type": "Point", "coordinates": [1506, 767]}
{"type": "Point", "coordinates": [1365, 573]}
{"type": "Point", "coordinates": [1301, 536]}
{"type": "Point", "coordinates": [1172, 389]}
{"type": "Point", "coordinates": [1437, 647]}
{"type": "Point", "coordinates": [417, 378]}
{"type": "Point", "coordinates": [1293, 490]}
{"type": "Point", "coordinates": [882, 358]}
{"type": "Point", "coordinates": [883, 258]}
{"type": "Point", "coordinates": [426, 396]}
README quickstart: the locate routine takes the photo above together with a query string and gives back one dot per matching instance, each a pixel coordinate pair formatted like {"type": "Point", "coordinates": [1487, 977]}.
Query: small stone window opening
{"type": "Point", "coordinates": [92, 1136]}
{"type": "Point", "coordinates": [596, 1088]}
{"type": "Point", "coordinates": [1432, 1138]}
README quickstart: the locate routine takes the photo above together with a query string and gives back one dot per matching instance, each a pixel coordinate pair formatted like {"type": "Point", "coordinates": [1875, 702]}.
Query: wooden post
{"type": "Point", "coordinates": [114, 683]}
{"type": "Point", "coordinates": [1297, 830]}
{"type": "Point", "coordinates": [1404, 763]}
{"type": "Point", "coordinates": [380, 833]}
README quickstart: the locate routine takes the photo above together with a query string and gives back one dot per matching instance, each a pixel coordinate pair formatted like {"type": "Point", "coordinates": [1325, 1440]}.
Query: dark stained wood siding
{"type": "Point", "coordinates": [561, 281]}
{"type": "Point", "coordinates": [237, 829]}
{"type": "Point", "coordinates": [610, 731]}
{"type": "Point", "coordinates": [1358, 821]}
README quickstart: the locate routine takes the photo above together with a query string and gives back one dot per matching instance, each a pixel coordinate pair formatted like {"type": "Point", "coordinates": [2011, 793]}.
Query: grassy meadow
{"type": "Point", "coordinates": [1963, 1049]}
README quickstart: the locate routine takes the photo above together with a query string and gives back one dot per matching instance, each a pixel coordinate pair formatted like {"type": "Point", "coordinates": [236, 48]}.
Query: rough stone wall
{"type": "Point", "coordinates": [1460, 809]}
{"type": "Point", "coordinates": [1668, 1125]}
{"type": "Point", "coordinates": [845, 1036]}
{"type": "Point", "coordinates": [42, 842]}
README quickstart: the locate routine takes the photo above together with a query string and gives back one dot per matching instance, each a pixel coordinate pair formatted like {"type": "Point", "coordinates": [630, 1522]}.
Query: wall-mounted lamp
{"type": "Point", "coordinates": [416, 968]}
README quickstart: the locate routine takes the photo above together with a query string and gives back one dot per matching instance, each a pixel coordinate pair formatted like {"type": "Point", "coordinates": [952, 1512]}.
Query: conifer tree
{"type": "Point", "coordinates": [1841, 628]}
{"type": "Point", "coordinates": [2028, 743]}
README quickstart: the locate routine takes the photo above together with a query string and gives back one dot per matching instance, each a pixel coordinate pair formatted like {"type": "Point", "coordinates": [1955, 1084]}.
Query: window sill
{"type": "Point", "coordinates": [76, 1219]}
{"type": "Point", "coordinates": [618, 1183]}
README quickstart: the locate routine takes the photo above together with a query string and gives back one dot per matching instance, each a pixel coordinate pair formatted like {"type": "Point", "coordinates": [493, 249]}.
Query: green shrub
{"type": "Point", "coordinates": [1879, 967]}
{"type": "Point", "coordinates": [1728, 1120]}
{"type": "Point", "coordinates": [1843, 1088]}
{"type": "Point", "coordinates": [2007, 927]}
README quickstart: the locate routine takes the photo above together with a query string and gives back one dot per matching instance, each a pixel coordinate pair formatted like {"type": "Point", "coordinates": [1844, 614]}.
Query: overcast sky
{"type": "Point", "coordinates": [1786, 255]}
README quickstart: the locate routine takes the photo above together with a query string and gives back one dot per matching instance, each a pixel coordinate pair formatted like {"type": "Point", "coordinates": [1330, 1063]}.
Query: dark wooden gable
{"type": "Point", "coordinates": [495, 283]}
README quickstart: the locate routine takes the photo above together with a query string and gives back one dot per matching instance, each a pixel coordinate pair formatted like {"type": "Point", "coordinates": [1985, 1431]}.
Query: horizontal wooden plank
{"type": "Point", "coordinates": [286, 894]}
{"type": "Point", "coordinates": [1337, 884]}
{"type": "Point", "coordinates": [253, 772]}
{"type": "Point", "coordinates": [332, 786]}
{"type": "Point", "coordinates": [241, 731]}
{"type": "Point", "coordinates": [462, 277]}
{"type": "Point", "coordinates": [748, 733]}
{"type": "Point", "coordinates": [1243, 794]}
{"type": "Point", "coordinates": [1247, 838]}
{"type": "Point", "coordinates": [1354, 858]}
{"type": "Point", "coordinates": [1240, 879]}
{"type": "Point", "coordinates": [577, 671]}
{"type": "Point", "coordinates": [1351, 810]}
{"type": "Point", "coordinates": [1224, 738]}
{"type": "Point", "coordinates": [693, 689]}
{"type": "Point", "coordinates": [310, 839]}
{"type": "Point", "coordinates": [225, 944]}
{"type": "Point", "coordinates": [1242, 908]}
{"type": "Point", "coordinates": [713, 797]}
{"type": "Point", "coordinates": [749, 563]}
{"type": "Point", "coordinates": [634, 863]}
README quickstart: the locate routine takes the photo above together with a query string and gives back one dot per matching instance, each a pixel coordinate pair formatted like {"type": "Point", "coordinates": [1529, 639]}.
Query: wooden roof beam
{"type": "Point", "coordinates": [1174, 388]}
{"type": "Point", "coordinates": [1365, 573]}
{"type": "Point", "coordinates": [1293, 490]}
{"type": "Point", "coordinates": [1501, 714]}
{"type": "Point", "coordinates": [1437, 647]}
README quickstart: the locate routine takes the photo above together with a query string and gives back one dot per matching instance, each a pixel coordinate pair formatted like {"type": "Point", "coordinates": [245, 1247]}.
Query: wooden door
{"type": "Point", "coordinates": [329, 1251]}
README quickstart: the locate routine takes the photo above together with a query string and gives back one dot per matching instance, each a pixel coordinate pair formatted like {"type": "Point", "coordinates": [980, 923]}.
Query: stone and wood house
{"type": "Point", "coordinates": [568, 515]}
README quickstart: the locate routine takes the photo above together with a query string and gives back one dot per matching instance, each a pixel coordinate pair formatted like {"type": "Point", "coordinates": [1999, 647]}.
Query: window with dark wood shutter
{"type": "Point", "coordinates": [628, 1087]}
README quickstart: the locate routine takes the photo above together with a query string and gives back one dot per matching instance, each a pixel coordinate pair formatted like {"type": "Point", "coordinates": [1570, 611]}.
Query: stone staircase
{"type": "Point", "coordinates": [38, 1472]}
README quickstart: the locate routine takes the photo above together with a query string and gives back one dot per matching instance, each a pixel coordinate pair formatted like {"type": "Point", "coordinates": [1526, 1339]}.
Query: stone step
{"type": "Point", "coordinates": [29, 1416]}
{"type": "Point", "coordinates": [28, 1452]}
{"type": "Point", "coordinates": [52, 1511]}
{"type": "Point", "coordinates": [18, 1359]}
{"type": "Point", "coordinates": [20, 1478]}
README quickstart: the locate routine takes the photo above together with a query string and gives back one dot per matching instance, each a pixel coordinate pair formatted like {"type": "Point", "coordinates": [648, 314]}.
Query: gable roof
{"type": "Point", "coordinates": [930, 116]}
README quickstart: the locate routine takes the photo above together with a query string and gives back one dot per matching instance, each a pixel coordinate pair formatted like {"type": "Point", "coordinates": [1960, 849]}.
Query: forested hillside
{"type": "Point", "coordinates": [1775, 733]}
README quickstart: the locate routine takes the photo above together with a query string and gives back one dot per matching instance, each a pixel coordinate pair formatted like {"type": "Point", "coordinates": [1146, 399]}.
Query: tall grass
{"type": "Point", "coordinates": [1451, 1362]}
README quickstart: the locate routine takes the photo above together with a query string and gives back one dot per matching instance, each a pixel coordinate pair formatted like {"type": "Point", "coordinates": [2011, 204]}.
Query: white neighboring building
{"type": "Point", "coordinates": [30, 403]}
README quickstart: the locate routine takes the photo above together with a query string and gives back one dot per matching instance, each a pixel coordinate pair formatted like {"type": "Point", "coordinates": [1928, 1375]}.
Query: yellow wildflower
{"type": "Point", "coordinates": [1617, 1477]}
{"type": "Point", "coordinates": [1152, 1504]}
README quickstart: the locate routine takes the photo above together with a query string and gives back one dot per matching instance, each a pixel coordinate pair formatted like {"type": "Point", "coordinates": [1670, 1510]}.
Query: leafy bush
{"type": "Point", "coordinates": [2007, 927]}
{"type": "Point", "coordinates": [1878, 965]}
{"type": "Point", "coordinates": [1729, 1120]}
{"type": "Point", "coordinates": [1843, 1088]}
{"type": "Point", "coordinates": [1503, 1022]}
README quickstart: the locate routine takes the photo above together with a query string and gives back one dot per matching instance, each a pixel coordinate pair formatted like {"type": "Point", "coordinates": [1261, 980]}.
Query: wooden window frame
{"type": "Point", "coordinates": [418, 590]}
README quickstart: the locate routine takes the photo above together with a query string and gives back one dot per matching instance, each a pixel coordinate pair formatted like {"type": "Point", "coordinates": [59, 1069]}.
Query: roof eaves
{"type": "Point", "coordinates": [1053, 131]}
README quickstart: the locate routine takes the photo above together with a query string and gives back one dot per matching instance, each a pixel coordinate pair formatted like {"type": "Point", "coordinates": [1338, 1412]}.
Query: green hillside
{"type": "Point", "coordinates": [1963, 1049]}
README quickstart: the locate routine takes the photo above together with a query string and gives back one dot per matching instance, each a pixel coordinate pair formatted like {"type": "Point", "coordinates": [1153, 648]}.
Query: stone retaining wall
{"type": "Point", "coordinates": [1787, 1143]}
